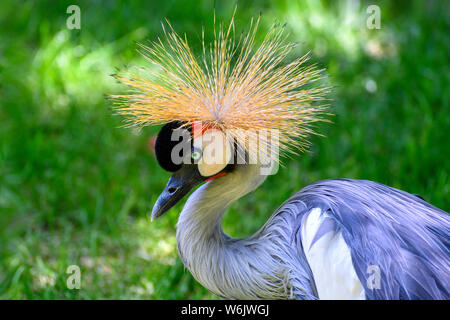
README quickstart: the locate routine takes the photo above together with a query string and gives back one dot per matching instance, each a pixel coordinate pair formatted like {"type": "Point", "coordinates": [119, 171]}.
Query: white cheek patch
{"type": "Point", "coordinates": [216, 152]}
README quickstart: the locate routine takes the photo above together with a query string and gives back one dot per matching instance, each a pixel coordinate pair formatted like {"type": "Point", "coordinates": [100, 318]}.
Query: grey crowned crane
{"type": "Point", "coordinates": [334, 239]}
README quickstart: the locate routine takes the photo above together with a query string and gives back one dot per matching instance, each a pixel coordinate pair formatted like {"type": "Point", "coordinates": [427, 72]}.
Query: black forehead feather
{"type": "Point", "coordinates": [164, 145]}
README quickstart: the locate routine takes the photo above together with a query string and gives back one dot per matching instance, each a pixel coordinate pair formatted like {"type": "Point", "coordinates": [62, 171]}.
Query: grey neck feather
{"type": "Point", "coordinates": [248, 268]}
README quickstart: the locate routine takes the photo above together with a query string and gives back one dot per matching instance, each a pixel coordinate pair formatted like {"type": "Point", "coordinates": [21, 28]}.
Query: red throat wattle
{"type": "Point", "coordinates": [221, 174]}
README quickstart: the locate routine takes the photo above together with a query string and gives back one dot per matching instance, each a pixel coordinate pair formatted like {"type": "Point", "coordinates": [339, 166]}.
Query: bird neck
{"type": "Point", "coordinates": [216, 260]}
{"type": "Point", "coordinates": [202, 214]}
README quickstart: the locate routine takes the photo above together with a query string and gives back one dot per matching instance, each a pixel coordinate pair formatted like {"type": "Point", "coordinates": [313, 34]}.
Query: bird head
{"type": "Point", "coordinates": [194, 154]}
{"type": "Point", "coordinates": [236, 86]}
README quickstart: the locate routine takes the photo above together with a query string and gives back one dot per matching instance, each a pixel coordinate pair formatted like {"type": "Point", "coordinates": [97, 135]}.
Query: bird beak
{"type": "Point", "coordinates": [180, 183]}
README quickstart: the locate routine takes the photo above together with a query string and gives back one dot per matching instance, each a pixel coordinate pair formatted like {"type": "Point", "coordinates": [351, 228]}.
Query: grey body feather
{"type": "Point", "coordinates": [402, 234]}
{"type": "Point", "coordinates": [406, 237]}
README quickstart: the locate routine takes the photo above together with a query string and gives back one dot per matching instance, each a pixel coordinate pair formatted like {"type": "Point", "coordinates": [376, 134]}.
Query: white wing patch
{"type": "Point", "coordinates": [330, 260]}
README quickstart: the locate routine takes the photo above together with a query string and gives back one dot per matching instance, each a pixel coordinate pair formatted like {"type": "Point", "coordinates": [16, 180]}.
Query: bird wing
{"type": "Point", "coordinates": [363, 239]}
{"type": "Point", "coordinates": [329, 258]}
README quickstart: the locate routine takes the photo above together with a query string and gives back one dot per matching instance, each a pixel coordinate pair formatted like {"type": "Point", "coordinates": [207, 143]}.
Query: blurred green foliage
{"type": "Point", "coordinates": [75, 188]}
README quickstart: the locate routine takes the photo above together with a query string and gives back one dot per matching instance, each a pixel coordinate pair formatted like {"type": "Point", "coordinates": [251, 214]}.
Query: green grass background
{"type": "Point", "coordinates": [75, 188]}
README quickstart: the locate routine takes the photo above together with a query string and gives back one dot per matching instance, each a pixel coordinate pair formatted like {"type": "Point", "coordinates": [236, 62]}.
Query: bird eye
{"type": "Point", "coordinates": [195, 155]}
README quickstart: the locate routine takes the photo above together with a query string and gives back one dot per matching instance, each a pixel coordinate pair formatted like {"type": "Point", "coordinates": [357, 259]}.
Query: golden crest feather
{"type": "Point", "coordinates": [235, 85]}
